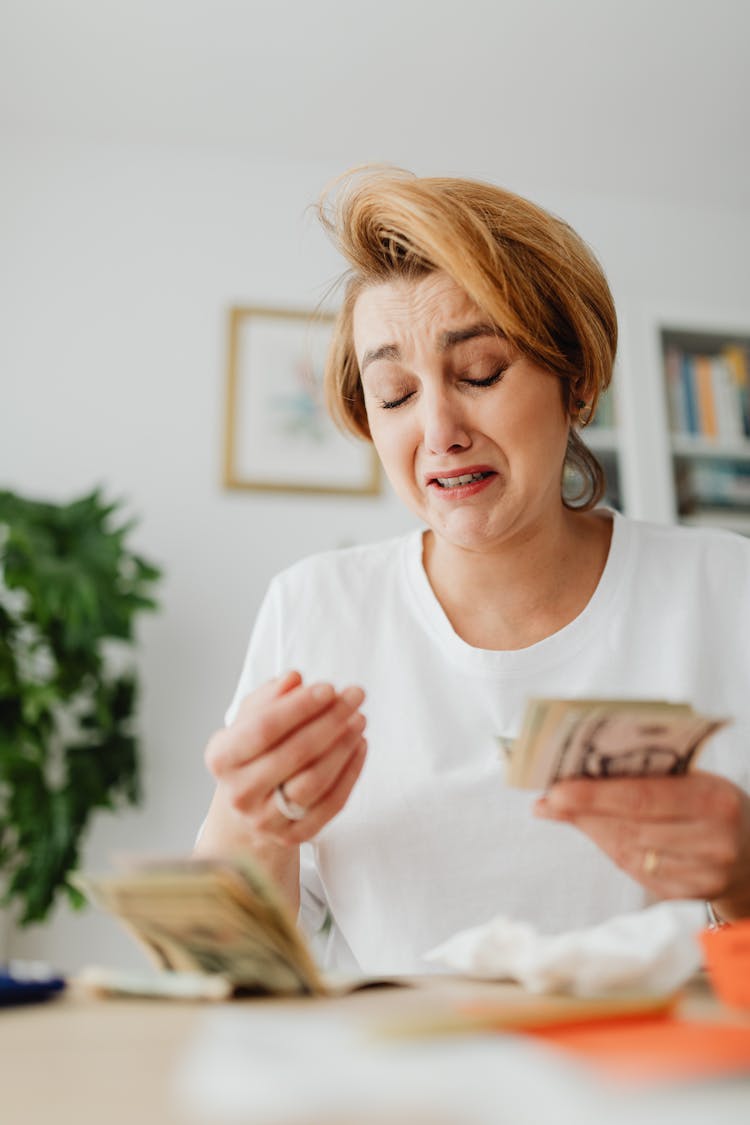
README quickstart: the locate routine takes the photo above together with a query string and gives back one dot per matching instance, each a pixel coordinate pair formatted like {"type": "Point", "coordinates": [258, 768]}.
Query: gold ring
{"type": "Point", "coordinates": [650, 862]}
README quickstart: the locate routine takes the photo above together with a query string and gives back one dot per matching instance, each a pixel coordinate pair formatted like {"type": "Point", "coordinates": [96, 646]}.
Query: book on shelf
{"type": "Point", "coordinates": [708, 395]}
{"type": "Point", "coordinates": [716, 484]}
{"type": "Point", "coordinates": [703, 368]}
{"type": "Point", "coordinates": [737, 361]}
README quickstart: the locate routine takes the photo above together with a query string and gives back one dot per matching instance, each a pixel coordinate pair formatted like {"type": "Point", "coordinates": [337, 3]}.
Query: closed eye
{"type": "Point", "coordinates": [391, 404]}
{"type": "Point", "coordinates": [489, 381]}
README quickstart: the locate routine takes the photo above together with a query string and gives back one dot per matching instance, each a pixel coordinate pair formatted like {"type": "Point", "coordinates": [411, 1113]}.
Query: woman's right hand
{"type": "Point", "coordinates": [306, 738]}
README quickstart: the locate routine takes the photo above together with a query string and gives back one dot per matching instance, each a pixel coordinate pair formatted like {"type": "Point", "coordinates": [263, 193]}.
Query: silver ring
{"type": "Point", "coordinates": [290, 809]}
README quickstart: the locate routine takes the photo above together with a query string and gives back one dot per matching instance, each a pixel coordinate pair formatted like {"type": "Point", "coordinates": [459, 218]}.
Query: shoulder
{"type": "Point", "coordinates": [711, 553]}
{"type": "Point", "coordinates": [346, 569]}
{"type": "Point", "coordinates": [696, 540]}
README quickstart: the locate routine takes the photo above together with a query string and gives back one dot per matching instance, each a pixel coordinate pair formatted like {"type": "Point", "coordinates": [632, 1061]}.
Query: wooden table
{"type": "Point", "coordinates": [80, 1060]}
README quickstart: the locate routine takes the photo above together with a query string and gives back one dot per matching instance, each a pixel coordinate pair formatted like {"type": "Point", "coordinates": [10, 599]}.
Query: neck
{"type": "Point", "coordinates": [524, 589]}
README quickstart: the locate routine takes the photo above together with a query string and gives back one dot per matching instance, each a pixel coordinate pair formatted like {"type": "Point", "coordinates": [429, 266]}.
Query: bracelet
{"type": "Point", "coordinates": [715, 921]}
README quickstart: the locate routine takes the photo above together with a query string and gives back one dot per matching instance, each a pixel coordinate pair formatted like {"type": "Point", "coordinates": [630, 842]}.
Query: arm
{"type": "Point", "coordinates": [306, 737]}
{"type": "Point", "coordinates": [680, 837]}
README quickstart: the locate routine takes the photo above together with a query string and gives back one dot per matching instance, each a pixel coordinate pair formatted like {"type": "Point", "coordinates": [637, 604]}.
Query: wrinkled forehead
{"type": "Point", "coordinates": [433, 308]}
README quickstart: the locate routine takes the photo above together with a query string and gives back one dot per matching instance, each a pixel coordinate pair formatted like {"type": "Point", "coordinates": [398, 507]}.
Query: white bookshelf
{"type": "Point", "coordinates": [667, 474]}
{"type": "Point", "coordinates": [695, 446]}
{"type": "Point", "coordinates": [706, 379]}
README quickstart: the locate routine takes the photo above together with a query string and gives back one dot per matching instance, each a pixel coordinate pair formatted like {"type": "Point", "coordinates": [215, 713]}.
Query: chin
{"type": "Point", "coordinates": [469, 535]}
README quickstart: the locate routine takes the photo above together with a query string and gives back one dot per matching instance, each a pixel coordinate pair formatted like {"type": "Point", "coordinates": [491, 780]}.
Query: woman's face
{"type": "Point", "coordinates": [471, 434]}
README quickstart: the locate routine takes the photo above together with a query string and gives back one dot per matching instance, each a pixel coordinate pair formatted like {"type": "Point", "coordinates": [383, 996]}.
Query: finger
{"type": "Point", "coordinates": [253, 781]}
{"type": "Point", "coordinates": [692, 797]}
{"type": "Point", "coordinates": [309, 742]}
{"type": "Point", "coordinates": [666, 875]}
{"type": "Point", "coordinates": [287, 681]}
{"type": "Point", "coordinates": [690, 860]}
{"type": "Point", "coordinates": [221, 749]}
{"type": "Point", "coordinates": [271, 689]}
{"type": "Point", "coordinates": [309, 785]}
{"type": "Point", "coordinates": [332, 803]}
{"type": "Point", "coordinates": [263, 720]}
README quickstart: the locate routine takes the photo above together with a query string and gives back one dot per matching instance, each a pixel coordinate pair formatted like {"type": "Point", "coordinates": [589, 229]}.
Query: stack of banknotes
{"type": "Point", "coordinates": [211, 916]}
{"type": "Point", "coordinates": [592, 738]}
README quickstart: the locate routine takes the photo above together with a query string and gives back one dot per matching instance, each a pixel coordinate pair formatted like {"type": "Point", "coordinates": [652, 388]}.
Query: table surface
{"type": "Point", "coordinates": [84, 1060]}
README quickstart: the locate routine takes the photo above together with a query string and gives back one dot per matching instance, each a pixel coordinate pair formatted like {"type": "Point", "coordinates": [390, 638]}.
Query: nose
{"type": "Point", "coordinates": [445, 429]}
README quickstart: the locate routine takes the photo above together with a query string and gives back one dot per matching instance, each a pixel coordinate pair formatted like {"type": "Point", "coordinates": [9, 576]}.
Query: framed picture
{"type": "Point", "coordinates": [279, 437]}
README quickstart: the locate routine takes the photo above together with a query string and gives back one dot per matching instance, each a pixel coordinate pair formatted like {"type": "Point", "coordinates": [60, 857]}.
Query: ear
{"type": "Point", "coordinates": [574, 405]}
{"type": "Point", "coordinates": [580, 412]}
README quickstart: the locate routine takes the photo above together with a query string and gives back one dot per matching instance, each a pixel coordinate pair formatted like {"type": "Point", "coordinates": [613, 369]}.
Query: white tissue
{"type": "Point", "coordinates": [654, 950]}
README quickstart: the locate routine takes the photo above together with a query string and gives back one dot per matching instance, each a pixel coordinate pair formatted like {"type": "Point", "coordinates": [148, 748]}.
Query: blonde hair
{"type": "Point", "coordinates": [524, 268]}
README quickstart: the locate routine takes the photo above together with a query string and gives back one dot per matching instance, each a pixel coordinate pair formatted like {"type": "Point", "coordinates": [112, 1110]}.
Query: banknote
{"type": "Point", "coordinates": [211, 916]}
{"type": "Point", "coordinates": [593, 738]}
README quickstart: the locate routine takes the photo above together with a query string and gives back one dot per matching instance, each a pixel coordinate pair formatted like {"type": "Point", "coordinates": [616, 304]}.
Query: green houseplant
{"type": "Point", "coordinates": [70, 591]}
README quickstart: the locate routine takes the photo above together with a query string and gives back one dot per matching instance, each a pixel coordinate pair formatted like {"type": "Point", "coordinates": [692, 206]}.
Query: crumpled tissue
{"type": "Point", "coordinates": [654, 950]}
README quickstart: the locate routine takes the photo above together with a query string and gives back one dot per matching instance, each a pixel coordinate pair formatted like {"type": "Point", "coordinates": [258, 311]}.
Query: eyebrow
{"type": "Point", "coordinates": [459, 335]}
{"type": "Point", "coordinates": [446, 341]}
{"type": "Point", "coordinates": [386, 351]}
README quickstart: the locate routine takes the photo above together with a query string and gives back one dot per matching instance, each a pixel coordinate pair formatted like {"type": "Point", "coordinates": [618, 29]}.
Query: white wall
{"type": "Point", "coordinates": [118, 266]}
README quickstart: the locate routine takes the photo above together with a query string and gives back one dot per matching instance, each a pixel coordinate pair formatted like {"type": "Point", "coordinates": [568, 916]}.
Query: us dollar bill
{"type": "Point", "coordinates": [599, 738]}
{"type": "Point", "coordinates": [211, 916]}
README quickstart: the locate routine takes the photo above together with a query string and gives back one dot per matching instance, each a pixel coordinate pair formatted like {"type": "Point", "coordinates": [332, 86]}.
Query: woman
{"type": "Point", "coordinates": [476, 335]}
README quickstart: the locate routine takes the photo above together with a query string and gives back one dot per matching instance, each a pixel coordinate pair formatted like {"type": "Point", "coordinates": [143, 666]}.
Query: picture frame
{"type": "Point", "coordinates": [278, 435]}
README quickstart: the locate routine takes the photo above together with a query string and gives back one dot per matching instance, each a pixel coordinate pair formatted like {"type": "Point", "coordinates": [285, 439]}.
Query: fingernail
{"type": "Point", "coordinates": [322, 693]}
{"type": "Point", "coordinates": [353, 696]}
{"type": "Point", "coordinates": [548, 806]}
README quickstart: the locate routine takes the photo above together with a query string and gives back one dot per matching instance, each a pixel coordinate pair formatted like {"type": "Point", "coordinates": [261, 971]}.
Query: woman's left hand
{"type": "Point", "coordinates": [680, 837]}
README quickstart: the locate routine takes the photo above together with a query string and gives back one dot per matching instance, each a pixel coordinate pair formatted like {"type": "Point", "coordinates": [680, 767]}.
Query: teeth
{"type": "Point", "coordinates": [453, 482]}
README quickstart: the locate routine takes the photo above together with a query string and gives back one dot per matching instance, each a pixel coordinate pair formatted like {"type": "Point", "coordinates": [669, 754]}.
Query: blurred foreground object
{"type": "Point", "coordinates": [727, 953]}
{"type": "Point", "coordinates": [211, 916]}
{"type": "Point", "coordinates": [70, 590]}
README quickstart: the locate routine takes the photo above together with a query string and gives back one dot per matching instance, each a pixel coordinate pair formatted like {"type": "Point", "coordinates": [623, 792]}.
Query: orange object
{"type": "Point", "coordinates": [655, 1048]}
{"type": "Point", "coordinates": [727, 953]}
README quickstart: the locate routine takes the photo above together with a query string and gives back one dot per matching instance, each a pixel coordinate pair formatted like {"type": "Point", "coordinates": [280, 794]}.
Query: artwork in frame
{"type": "Point", "coordinates": [279, 436]}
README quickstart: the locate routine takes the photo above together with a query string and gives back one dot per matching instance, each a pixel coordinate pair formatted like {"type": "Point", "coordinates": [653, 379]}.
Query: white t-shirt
{"type": "Point", "coordinates": [432, 840]}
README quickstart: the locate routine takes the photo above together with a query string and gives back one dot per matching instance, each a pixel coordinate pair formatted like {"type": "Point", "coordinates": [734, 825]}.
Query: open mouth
{"type": "Point", "coordinates": [463, 479]}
